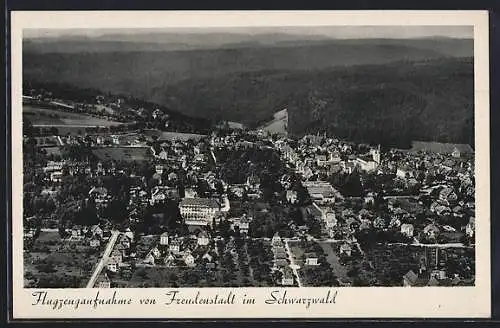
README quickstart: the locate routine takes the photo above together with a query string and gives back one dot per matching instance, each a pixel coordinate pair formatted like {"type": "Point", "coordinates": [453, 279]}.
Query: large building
{"type": "Point", "coordinates": [199, 211]}
{"type": "Point", "coordinates": [321, 192]}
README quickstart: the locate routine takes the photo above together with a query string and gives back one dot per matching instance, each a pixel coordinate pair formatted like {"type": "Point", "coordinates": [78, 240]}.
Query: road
{"type": "Point", "coordinates": [104, 258]}
{"type": "Point", "coordinates": [293, 266]}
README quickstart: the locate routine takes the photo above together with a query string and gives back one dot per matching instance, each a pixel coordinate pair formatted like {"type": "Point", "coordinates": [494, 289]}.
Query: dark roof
{"type": "Point", "coordinates": [438, 147]}
{"type": "Point", "coordinates": [411, 277]}
{"type": "Point", "coordinates": [206, 202]}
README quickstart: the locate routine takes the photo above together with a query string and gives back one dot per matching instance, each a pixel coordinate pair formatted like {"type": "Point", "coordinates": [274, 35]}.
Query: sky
{"type": "Point", "coordinates": [335, 32]}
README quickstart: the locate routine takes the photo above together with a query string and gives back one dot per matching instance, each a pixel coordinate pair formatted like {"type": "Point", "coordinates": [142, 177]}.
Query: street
{"type": "Point", "coordinates": [104, 259]}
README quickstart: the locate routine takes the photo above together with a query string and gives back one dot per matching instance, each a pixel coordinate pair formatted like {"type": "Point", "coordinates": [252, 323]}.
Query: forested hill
{"type": "Point", "coordinates": [390, 104]}
{"type": "Point", "coordinates": [133, 68]}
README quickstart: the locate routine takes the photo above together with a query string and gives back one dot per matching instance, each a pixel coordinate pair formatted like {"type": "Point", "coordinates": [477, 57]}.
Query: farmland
{"type": "Point", "coordinates": [52, 117]}
{"type": "Point", "coordinates": [58, 263]}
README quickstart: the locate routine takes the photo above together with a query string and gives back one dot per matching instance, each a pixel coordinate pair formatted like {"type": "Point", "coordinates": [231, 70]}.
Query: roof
{"type": "Point", "coordinates": [310, 255]}
{"type": "Point", "coordinates": [203, 234]}
{"type": "Point", "coordinates": [204, 202]}
{"type": "Point", "coordinates": [411, 277]}
{"type": "Point", "coordinates": [437, 147]}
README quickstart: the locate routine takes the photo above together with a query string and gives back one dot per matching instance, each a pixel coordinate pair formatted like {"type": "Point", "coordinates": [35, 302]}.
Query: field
{"type": "Point", "coordinates": [331, 252]}
{"type": "Point", "coordinates": [167, 135]}
{"type": "Point", "coordinates": [327, 272]}
{"type": "Point", "coordinates": [42, 117]}
{"type": "Point", "coordinates": [127, 154]}
{"type": "Point", "coordinates": [55, 263]}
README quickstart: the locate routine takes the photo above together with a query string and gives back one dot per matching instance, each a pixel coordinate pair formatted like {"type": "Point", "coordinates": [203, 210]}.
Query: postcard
{"type": "Point", "coordinates": [260, 164]}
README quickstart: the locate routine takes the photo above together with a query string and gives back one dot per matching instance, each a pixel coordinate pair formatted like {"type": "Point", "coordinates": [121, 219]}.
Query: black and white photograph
{"type": "Point", "coordinates": [283, 156]}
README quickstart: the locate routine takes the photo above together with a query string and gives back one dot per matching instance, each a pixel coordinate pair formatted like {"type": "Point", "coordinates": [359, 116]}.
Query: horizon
{"type": "Point", "coordinates": [329, 32]}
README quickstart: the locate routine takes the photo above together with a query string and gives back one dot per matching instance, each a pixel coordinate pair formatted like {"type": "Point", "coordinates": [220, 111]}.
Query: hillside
{"type": "Point", "coordinates": [146, 74]}
{"type": "Point", "coordinates": [391, 104]}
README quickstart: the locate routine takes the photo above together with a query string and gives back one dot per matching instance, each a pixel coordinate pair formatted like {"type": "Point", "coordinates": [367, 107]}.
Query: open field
{"type": "Point", "coordinates": [332, 257]}
{"type": "Point", "coordinates": [127, 154]}
{"type": "Point", "coordinates": [52, 117]}
{"type": "Point", "coordinates": [56, 263]}
{"type": "Point", "coordinates": [167, 135]}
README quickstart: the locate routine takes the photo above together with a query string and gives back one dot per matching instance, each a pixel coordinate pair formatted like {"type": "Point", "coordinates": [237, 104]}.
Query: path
{"type": "Point", "coordinates": [293, 266]}
{"type": "Point", "coordinates": [104, 259]}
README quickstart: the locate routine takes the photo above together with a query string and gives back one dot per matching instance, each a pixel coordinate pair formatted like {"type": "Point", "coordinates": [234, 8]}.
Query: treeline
{"type": "Point", "coordinates": [390, 104]}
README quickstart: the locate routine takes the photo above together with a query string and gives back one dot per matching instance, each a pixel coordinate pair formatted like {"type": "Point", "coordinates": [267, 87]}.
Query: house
{"type": "Point", "coordinates": [410, 279]}
{"type": "Point", "coordinates": [149, 259]}
{"type": "Point", "coordinates": [311, 259]}
{"type": "Point", "coordinates": [175, 246]}
{"type": "Point", "coordinates": [164, 238]}
{"type": "Point", "coordinates": [96, 231]}
{"type": "Point", "coordinates": [112, 265]}
{"type": "Point", "coordinates": [129, 234]}
{"type": "Point", "coordinates": [431, 231]}
{"type": "Point", "coordinates": [203, 238]}
{"type": "Point", "coordinates": [169, 260]}
{"type": "Point", "coordinates": [157, 196]}
{"type": "Point", "coordinates": [198, 211]}
{"type": "Point", "coordinates": [56, 176]}
{"type": "Point", "coordinates": [155, 252]}
{"type": "Point", "coordinates": [159, 169]}
{"type": "Point", "coordinates": [103, 281]}
{"type": "Point", "coordinates": [276, 240]}
{"type": "Point", "coordinates": [407, 229]}
{"type": "Point", "coordinates": [447, 196]}
{"type": "Point", "coordinates": [291, 196]}
{"type": "Point", "coordinates": [94, 243]}
{"type": "Point", "coordinates": [189, 259]}
{"type": "Point", "coordinates": [470, 227]}
{"type": "Point", "coordinates": [330, 220]}
{"type": "Point", "coordinates": [76, 233]}
{"type": "Point", "coordinates": [346, 249]}
{"type": "Point", "coordinates": [207, 257]}
{"type": "Point", "coordinates": [287, 279]}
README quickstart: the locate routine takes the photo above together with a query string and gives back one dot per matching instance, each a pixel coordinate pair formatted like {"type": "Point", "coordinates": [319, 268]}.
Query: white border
{"type": "Point", "coordinates": [351, 302]}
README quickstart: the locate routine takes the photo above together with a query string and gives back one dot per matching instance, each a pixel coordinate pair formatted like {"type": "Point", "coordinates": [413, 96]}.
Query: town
{"type": "Point", "coordinates": [118, 196]}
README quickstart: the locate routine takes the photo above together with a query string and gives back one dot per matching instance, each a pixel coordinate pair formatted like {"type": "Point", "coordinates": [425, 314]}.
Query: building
{"type": "Point", "coordinates": [321, 192]}
{"type": "Point", "coordinates": [470, 227]}
{"type": "Point", "coordinates": [103, 282]}
{"type": "Point", "coordinates": [203, 238]}
{"type": "Point", "coordinates": [407, 229]}
{"type": "Point", "coordinates": [346, 249]}
{"type": "Point", "coordinates": [410, 279]}
{"type": "Point", "coordinates": [164, 238]}
{"type": "Point", "coordinates": [431, 230]}
{"type": "Point", "coordinates": [456, 150]}
{"type": "Point", "coordinates": [291, 196]}
{"type": "Point", "coordinates": [189, 259]}
{"type": "Point", "coordinates": [311, 259]}
{"type": "Point", "coordinates": [199, 211]}
{"type": "Point", "coordinates": [287, 278]}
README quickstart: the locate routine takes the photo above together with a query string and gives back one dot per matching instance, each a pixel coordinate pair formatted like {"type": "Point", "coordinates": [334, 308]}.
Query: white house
{"type": "Point", "coordinates": [407, 229]}
{"type": "Point", "coordinates": [189, 259]}
{"type": "Point", "coordinates": [203, 238]}
{"type": "Point", "coordinates": [311, 259]}
{"type": "Point", "coordinates": [164, 238]}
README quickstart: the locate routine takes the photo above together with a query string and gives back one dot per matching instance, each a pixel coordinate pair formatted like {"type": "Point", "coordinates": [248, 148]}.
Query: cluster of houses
{"type": "Point", "coordinates": [432, 271]}
{"type": "Point", "coordinates": [280, 261]}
